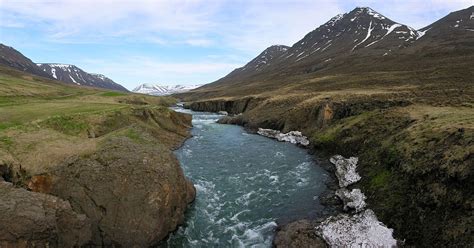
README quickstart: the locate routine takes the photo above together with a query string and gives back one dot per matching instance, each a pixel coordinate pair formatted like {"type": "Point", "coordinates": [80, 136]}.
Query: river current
{"type": "Point", "coordinates": [245, 184]}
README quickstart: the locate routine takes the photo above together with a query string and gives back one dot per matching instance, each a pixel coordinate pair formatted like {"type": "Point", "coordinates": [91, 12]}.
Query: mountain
{"type": "Point", "coordinates": [62, 72]}
{"type": "Point", "coordinates": [454, 31]}
{"type": "Point", "coordinates": [354, 42]}
{"type": "Point", "coordinates": [263, 60]}
{"type": "Point", "coordinates": [74, 75]}
{"type": "Point", "coordinates": [157, 90]}
{"type": "Point", "coordinates": [362, 31]}
{"type": "Point", "coordinates": [12, 58]}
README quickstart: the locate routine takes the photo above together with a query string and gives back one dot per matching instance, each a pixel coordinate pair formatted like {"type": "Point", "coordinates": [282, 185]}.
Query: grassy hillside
{"type": "Point", "coordinates": [43, 122]}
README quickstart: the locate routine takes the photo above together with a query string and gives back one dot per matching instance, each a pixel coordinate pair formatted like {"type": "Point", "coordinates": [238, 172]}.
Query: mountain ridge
{"type": "Point", "coordinates": [163, 90]}
{"type": "Point", "coordinates": [355, 41]}
{"type": "Point", "coordinates": [66, 73]}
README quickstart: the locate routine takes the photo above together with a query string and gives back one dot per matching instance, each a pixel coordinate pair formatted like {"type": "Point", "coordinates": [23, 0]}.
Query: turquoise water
{"type": "Point", "coordinates": [245, 184]}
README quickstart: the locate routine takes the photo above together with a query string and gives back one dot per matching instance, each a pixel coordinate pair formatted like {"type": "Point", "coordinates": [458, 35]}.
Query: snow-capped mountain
{"type": "Point", "coordinates": [75, 75]}
{"type": "Point", "coordinates": [159, 90]}
{"type": "Point", "coordinates": [360, 32]}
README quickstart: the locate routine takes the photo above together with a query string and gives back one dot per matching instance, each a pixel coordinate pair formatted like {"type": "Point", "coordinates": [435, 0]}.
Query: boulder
{"type": "Point", "coordinates": [298, 234]}
{"type": "Point", "coordinates": [354, 199]}
{"type": "Point", "coordinates": [30, 219]}
{"type": "Point", "coordinates": [133, 194]}
{"type": "Point", "coordinates": [345, 170]}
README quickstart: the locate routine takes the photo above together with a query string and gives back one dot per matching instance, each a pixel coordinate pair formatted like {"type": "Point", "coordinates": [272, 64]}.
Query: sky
{"type": "Point", "coordinates": [179, 42]}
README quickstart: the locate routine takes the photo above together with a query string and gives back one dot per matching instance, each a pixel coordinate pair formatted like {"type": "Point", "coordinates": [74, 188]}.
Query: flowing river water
{"type": "Point", "coordinates": [245, 184]}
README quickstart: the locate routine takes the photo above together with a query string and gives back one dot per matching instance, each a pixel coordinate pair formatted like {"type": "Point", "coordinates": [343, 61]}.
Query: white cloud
{"type": "Point", "coordinates": [264, 23]}
{"type": "Point", "coordinates": [199, 42]}
{"type": "Point", "coordinates": [86, 19]}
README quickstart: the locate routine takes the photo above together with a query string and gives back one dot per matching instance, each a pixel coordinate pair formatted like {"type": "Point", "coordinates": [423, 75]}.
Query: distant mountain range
{"type": "Point", "coordinates": [159, 90]}
{"type": "Point", "coordinates": [66, 73]}
{"type": "Point", "coordinates": [75, 75]}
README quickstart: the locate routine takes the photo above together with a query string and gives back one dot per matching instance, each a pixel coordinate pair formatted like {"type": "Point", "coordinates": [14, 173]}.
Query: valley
{"type": "Point", "coordinates": [361, 133]}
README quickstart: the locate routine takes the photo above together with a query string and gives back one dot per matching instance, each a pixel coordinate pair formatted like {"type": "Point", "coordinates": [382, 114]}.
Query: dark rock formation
{"type": "Point", "coordinates": [133, 195]}
{"type": "Point", "coordinates": [298, 234]}
{"type": "Point", "coordinates": [30, 219]}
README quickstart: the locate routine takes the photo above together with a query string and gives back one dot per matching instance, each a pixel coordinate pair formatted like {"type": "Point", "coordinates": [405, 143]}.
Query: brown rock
{"type": "Point", "coordinates": [298, 234]}
{"type": "Point", "coordinates": [134, 194]}
{"type": "Point", "coordinates": [40, 183]}
{"type": "Point", "coordinates": [29, 219]}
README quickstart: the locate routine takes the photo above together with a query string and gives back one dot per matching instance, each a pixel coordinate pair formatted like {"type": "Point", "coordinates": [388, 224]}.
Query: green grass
{"type": "Point", "coordinates": [66, 124]}
{"type": "Point", "coordinates": [380, 179]}
{"type": "Point", "coordinates": [113, 93]}
{"type": "Point", "coordinates": [134, 135]}
{"type": "Point", "coordinates": [6, 141]}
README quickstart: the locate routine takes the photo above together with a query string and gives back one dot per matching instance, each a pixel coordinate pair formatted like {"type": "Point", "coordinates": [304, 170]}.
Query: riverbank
{"type": "Point", "coordinates": [88, 167]}
{"type": "Point", "coordinates": [415, 155]}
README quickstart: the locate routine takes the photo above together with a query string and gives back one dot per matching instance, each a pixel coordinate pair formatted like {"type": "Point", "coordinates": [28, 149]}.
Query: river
{"type": "Point", "coordinates": [245, 184]}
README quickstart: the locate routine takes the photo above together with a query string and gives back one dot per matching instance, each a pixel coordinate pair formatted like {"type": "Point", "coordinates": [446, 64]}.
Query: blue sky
{"type": "Point", "coordinates": [185, 42]}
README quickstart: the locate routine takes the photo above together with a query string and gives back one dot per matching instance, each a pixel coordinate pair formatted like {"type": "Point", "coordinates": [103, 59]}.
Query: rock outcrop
{"type": "Point", "coordinates": [30, 219]}
{"type": "Point", "coordinates": [298, 234]}
{"type": "Point", "coordinates": [134, 195]}
{"type": "Point", "coordinates": [293, 137]}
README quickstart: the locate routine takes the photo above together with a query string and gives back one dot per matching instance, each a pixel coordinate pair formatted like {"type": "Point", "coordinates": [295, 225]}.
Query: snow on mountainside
{"type": "Point", "coordinates": [158, 90]}
{"type": "Point", "coordinates": [361, 32]}
{"type": "Point", "coordinates": [74, 75]}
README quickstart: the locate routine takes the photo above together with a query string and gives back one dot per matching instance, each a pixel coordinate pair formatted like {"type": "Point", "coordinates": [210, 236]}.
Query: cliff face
{"type": "Point", "coordinates": [415, 154]}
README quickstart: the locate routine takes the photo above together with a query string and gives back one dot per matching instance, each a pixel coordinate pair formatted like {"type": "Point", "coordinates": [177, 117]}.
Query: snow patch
{"type": "Point", "coordinates": [354, 199]}
{"type": "Point", "coordinates": [53, 71]}
{"type": "Point", "coordinates": [369, 31]}
{"type": "Point", "coordinates": [360, 230]}
{"type": "Point", "coordinates": [345, 170]}
{"type": "Point", "coordinates": [73, 79]}
{"type": "Point", "coordinates": [294, 137]}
